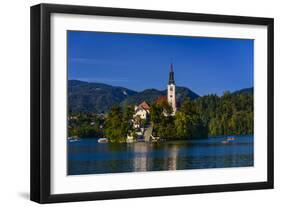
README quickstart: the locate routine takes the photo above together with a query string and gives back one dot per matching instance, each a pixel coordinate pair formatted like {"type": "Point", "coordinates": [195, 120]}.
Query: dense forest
{"type": "Point", "coordinates": [85, 125]}
{"type": "Point", "coordinates": [211, 115]}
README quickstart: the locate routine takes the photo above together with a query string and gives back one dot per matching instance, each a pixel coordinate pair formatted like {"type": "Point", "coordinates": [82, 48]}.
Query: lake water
{"type": "Point", "coordinates": [87, 156]}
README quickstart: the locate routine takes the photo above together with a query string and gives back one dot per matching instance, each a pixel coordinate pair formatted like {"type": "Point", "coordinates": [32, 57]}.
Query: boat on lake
{"type": "Point", "coordinates": [231, 139]}
{"type": "Point", "coordinates": [103, 140]}
{"type": "Point", "coordinates": [228, 140]}
{"type": "Point", "coordinates": [73, 139]}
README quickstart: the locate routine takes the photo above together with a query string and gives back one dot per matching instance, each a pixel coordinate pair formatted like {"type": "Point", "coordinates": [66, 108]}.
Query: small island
{"type": "Point", "coordinates": [166, 119]}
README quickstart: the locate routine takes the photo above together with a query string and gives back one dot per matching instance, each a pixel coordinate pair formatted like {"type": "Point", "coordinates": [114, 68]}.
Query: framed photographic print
{"type": "Point", "coordinates": [133, 103]}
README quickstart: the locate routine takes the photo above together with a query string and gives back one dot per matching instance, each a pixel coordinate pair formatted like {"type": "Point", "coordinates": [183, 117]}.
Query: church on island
{"type": "Point", "coordinates": [142, 111]}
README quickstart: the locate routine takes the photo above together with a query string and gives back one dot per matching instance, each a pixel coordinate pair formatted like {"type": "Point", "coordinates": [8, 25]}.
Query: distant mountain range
{"type": "Point", "coordinates": [98, 97]}
{"type": "Point", "coordinates": [249, 91]}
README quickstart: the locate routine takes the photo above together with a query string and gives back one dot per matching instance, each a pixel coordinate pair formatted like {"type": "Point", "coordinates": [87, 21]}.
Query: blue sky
{"type": "Point", "coordinates": [138, 62]}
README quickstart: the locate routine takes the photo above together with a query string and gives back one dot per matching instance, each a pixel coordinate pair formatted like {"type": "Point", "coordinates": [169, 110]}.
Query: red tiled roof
{"type": "Point", "coordinates": [144, 105]}
{"type": "Point", "coordinates": [161, 99]}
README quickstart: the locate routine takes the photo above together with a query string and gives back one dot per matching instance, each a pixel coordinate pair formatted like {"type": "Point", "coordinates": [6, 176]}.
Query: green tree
{"type": "Point", "coordinates": [114, 127]}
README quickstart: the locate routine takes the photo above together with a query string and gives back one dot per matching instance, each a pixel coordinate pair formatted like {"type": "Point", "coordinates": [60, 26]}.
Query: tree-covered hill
{"type": "Point", "coordinates": [182, 93]}
{"type": "Point", "coordinates": [249, 91]}
{"type": "Point", "coordinates": [230, 114]}
{"type": "Point", "coordinates": [98, 97]}
{"type": "Point", "coordinates": [150, 95]}
{"type": "Point", "coordinates": [94, 97]}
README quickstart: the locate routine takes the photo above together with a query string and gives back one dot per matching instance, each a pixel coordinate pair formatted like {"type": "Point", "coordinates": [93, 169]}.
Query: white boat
{"type": "Point", "coordinates": [102, 140]}
{"type": "Point", "coordinates": [73, 139]}
{"type": "Point", "coordinates": [231, 139]}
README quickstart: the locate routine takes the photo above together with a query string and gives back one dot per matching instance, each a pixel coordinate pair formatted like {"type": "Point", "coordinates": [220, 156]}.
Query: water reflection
{"type": "Point", "coordinates": [140, 159]}
{"type": "Point", "coordinates": [172, 157]}
{"type": "Point", "coordinates": [89, 157]}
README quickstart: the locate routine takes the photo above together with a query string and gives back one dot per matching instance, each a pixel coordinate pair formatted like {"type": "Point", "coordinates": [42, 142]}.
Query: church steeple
{"type": "Point", "coordinates": [171, 90]}
{"type": "Point", "coordinates": [171, 75]}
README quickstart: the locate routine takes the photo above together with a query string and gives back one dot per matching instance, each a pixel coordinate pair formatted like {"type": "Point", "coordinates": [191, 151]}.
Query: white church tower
{"type": "Point", "coordinates": [171, 91]}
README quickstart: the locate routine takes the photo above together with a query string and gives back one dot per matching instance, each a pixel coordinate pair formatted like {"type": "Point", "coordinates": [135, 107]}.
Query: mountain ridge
{"type": "Point", "coordinates": [99, 97]}
{"type": "Point", "coordinates": [249, 90]}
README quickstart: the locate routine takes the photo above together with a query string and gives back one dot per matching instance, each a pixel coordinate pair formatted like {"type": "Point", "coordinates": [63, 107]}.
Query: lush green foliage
{"type": "Point", "coordinates": [230, 114]}
{"type": "Point", "coordinates": [85, 125]}
{"type": "Point", "coordinates": [118, 123]}
{"type": "Point", "coordinates": [186, 124]}
{"type": "Point", "coordinates": [163, 122]}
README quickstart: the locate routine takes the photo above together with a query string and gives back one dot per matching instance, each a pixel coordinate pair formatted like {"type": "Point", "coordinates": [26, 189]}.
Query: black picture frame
{"type": "Point", "coordinates": [41, 96]}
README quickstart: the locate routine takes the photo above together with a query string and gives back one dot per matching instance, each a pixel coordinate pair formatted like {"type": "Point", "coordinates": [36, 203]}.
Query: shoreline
{"type": "Point", "coordinates": [161, 140]}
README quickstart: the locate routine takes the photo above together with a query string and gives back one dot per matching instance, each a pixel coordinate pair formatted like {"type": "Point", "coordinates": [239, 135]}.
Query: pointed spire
{"type": "Point", "coordinates": [172, 67]}
{"type": "Point", "coordinates": [171, 75]}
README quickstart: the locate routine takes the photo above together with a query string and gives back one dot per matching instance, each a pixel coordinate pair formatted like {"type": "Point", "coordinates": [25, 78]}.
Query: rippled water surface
{"type": "Point", "coordinates": [87, 156]}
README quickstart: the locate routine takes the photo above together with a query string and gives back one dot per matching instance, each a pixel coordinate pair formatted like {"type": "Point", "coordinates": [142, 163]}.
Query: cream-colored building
{"type": "Point", "coordinates": [142, 110]}
{"type": "Point", "coordinates": [141, 113]}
